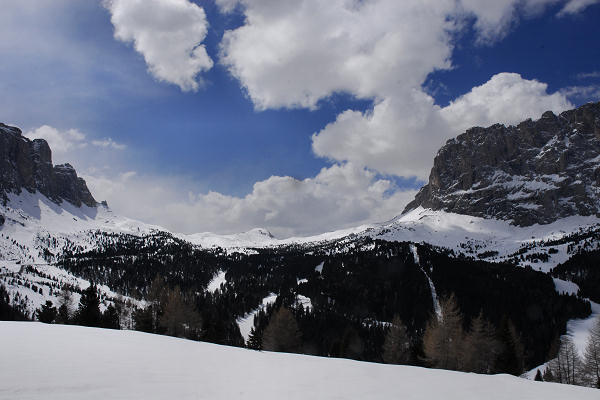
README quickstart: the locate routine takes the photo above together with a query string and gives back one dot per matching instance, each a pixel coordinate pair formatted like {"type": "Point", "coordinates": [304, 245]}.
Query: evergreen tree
{"type": "Point", "coordinates": [110, 318]}
{"type": "Point", "coordinates": [142, 320]}
{"type": "Point", "coordinates": [46, 313]}
{"type": "Point", "coordinates": [254, 340]}
{"type": "Point", "coordinates": [396, 347]}
{"type": "Point", "coordinates": [443, 338]}
{"type": "Point", "coordinates": [538, 376]}
{"type": "Point", "coordinates": [282, 333]}
{"type": "Point", "coordinates": [65, 302]}
{"type": "Point", "coordinates": [548, 376]}
{"type": "Point", "coordinates": [88, 313]}
{"type": "Point", "coordinates": [591, 360]}
{"type": "Point", "coordinates": [511, 357]}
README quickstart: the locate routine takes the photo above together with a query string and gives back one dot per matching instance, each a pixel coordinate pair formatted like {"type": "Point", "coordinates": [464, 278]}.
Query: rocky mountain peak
{"type": "Point", "coordinates": [27, 164]}
{"type": "Point", "coordinates": [535, 172]}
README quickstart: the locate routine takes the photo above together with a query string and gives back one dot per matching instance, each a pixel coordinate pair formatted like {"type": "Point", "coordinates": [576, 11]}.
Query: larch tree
{"type": "Point", "coordinates": [591, 359]}
{"type": "Point", "coordinates": [396, 347]}
{"type": "Point", "coordinates": [179, 318]}
{"type": "Point", "coordinates": [282, 333]}
{"type": "Point", "coordinates": [481, 348]}
{"type": "Point", "coordinates": [567, 366]}
{"type": "Point", "coordinates": [443, 338]}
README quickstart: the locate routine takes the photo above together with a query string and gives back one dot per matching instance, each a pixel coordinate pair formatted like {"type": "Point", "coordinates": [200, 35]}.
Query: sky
{"type": "Point", "coordinates": [298, 116]}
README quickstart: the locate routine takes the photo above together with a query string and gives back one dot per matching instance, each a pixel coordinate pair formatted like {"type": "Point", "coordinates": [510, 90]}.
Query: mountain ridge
{"type": "Point", "coordinates": [534, 172]}
{"type": "Point", "coordinates": [27, 164]}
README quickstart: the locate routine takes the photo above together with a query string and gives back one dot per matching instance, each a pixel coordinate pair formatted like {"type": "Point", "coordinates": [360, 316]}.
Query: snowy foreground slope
{"type": "Point", "coordinates": [69, 362]}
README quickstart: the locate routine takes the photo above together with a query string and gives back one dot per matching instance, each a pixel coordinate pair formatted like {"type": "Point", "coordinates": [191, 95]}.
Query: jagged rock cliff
{"type": "Point", "coordinates": [27, 164]}
{"type": "Point", "coordinates": [535, 172]}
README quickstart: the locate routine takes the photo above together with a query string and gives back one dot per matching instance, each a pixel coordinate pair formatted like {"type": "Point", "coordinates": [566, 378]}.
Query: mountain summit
{"type": "Point", "coordinates": [535, 172]}
{"type": "Point", "coordinates": [27, 164]}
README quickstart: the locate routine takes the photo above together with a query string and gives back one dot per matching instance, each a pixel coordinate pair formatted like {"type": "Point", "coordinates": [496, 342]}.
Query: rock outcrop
{"type": "Point", "coordinates": [27, 164]}
{"type": "Point", "coordinates": [535, 172]}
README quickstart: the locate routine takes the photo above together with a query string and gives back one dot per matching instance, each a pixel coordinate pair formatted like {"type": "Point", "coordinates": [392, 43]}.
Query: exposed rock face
{"type": "Point", "coordinates": [27, 164]}
{"type": "Point", "coordinates": [535, 172]}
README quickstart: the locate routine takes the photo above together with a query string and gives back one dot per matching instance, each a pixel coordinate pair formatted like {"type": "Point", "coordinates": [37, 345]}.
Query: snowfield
{"type": "Point", "coordinates": [70, 362]}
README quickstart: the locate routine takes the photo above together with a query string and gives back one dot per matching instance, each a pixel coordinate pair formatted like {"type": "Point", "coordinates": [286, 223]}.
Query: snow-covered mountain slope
{"type": "Point", "coordinates": [36, 231]}
{"type": "Point", "coordinates": [70, 362]}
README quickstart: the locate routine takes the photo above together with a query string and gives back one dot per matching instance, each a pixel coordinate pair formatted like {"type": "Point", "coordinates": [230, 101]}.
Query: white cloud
{"type": "Point", "coordinates": [505, 98]}
{"type": "Point", "coordinates": [293, 53]}
{"type": "Point", "coordinates": [61, 142]}
{"type": "Point", "coordinates": [71, 145]}
{"type": "Point", "coordinates": [168, 33]}
{"type": "Point", "coordinates": [108, 142]}
{"type": "Point", "coordinates": [582, 93]}
{"type": "Point", "coordinates": [338, 197]}
{"type": "Point", "coordinates": [588, 75]}
{"type": "Point", "coordinates": [302, 51]}
{"type": "Point", "coordinates": [576, 6]}
{"type": "Point", "coordinates": [400, 136]}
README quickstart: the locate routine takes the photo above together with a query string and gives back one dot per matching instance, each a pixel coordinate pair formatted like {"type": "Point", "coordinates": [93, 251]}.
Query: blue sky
{"type": "Point", "coordinates": [305, 116]}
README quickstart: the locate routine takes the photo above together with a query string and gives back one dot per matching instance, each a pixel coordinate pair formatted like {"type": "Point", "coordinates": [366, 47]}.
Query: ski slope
{"type": "Point", "coordinates": [69, 362]}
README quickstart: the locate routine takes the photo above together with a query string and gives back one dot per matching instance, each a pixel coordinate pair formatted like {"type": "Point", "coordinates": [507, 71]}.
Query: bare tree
{"type": "Point", "coordinates": [396, 348]}
{"type": "Point", "coordinates": [567, 367]}
{"type": "Point", "coordinates": [591, 360]}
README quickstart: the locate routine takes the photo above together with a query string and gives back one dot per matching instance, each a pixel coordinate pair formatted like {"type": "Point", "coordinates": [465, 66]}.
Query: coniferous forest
{"type": "Point", "coordinates": [369, 300]}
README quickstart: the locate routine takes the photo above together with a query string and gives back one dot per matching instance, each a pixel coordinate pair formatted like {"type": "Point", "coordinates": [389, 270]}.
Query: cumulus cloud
{"type": "Point", "coordinates": [300, 52]}
{"type": "Point", "coordinates": [400, 136]}
{"type": "Point", "coordinates": [505, 98]}
{"type": "Point", "coordinates": [293, 53]}
{"type": "Point", "coordinates": [339, 197]}
{"type": "Point", "coordinates": [168, 33]}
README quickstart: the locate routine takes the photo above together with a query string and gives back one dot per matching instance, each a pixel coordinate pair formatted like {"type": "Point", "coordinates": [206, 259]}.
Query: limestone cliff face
{"type": "Point", "coordinates": [27, 164]}
{"type": "Point", "coordinates": [535, 172]}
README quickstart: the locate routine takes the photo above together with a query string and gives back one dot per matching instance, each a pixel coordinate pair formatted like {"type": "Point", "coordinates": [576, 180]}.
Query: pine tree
{"type": "Point", "coordinates": [88, 313]}
{"type": "Point", "coordinates": [548, 376]}
{"type": "Point", "coordinates": [110, 318]}
{"type": "Point", "coordinates": [443, 338]}
{"type": "Point", "coordinates": [591, 360]}
{"type": "Point", "coordinates": [282, 333]}
{"type": "Point", "coordinates": [538, 376]}
{"type": "Point", "coordinates": [511, 359]}
{"type": "Point", "coordinates": [46, 313]}
{"type": "Point", "coordinates": [396, 347]}
{"type": "Point", "coordinates": [65, 302]}
{"type": "Point", "coordinates": [254, 340]}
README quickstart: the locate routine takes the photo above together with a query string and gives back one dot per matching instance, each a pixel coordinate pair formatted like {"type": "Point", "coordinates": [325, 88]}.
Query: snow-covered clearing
{"type": "Point", "coordinates": [579, 329]}
{"type": "Point", "coordinates": [216, 281]}
{"type": "Point", "coordinates": [69, 362]}
{"type": "Point", "coordinates": [247, 321]}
